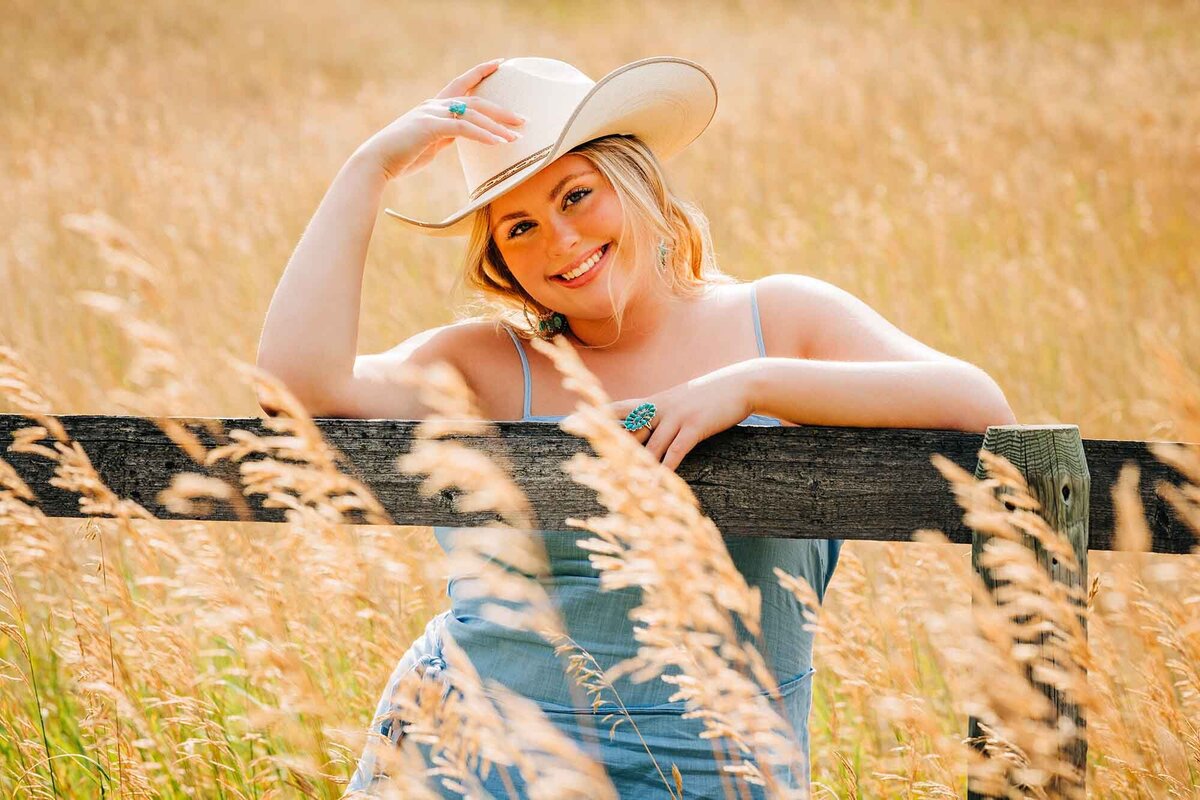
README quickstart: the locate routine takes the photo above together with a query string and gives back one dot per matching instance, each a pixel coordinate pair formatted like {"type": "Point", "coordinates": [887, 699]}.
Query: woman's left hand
{"type": "Point", "coordinates": [689, 413]}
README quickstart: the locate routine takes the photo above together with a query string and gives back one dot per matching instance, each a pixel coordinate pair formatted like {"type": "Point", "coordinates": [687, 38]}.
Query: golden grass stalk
{"type": "Point", "coordinates": [995, 191]}
{"type": "Point", "coordinates": [1029, 632]}
{"type": "Point", "coordinates": [160, 382]}
{"type": "Point", "coordinates": [1145, 731]}
{"type": "Point", "coordinates": [464, 729]}
{"type": "Point", "coordinates": [14, 627]}
{"type": "Point", "coordinates": [299, 472]}
{"type": "Point", "coordinates": [111, 683]}
{"type": "Point", "coordinates": [655, 537]}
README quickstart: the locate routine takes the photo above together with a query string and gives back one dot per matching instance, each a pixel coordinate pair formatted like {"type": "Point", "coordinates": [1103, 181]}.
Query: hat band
{"type": "Point", "coordinates": [509, 170]}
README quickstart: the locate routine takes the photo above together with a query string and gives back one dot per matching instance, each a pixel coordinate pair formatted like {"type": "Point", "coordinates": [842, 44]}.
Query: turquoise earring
{"type": "Point", "coordinates": [663, 250]}
{"type": "Point", "coordinates": [552, 325]}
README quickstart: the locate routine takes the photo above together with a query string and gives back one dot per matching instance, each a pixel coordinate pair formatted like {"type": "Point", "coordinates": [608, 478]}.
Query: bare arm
{"type": "Point", "coordinates": [310, 335]}
{"type": "Point", "coordinates": [944, 395]}
{"type": "Point", "coordinates": [850, 366]}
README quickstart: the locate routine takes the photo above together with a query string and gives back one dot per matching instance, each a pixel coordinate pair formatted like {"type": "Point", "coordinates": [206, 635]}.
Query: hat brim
{"type": "Point", "coordinates": [666, 102]}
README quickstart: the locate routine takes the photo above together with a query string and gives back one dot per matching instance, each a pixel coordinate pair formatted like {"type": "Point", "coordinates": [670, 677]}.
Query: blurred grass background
{"type": "Point", "coordinates": [1016, 184]}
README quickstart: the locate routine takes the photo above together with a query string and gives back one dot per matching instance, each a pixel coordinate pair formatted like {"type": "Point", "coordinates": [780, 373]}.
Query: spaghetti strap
{"type": "Point", "coordinates": [524, 369]}
{"type": "Point", "coordinates": [762, 351]}
{"type": "Point", "coordinates": [601, 622]}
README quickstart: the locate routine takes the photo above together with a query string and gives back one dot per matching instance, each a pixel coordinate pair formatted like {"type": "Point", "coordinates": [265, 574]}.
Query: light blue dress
{"type": "Point", "coordinates": [599, 621]}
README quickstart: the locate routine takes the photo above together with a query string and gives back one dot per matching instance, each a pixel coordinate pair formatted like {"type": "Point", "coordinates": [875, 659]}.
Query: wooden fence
{"type": "Point", "coordinates": [807, 482]}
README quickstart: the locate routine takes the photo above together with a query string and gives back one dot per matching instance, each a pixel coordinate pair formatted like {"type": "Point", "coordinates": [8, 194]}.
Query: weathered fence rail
{"type": "Point", "coordinates": [807, 482]}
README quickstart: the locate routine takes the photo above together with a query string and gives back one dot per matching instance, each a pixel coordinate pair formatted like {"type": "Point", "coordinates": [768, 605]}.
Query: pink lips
{"type": "Point", "coordinates": [587, 276]}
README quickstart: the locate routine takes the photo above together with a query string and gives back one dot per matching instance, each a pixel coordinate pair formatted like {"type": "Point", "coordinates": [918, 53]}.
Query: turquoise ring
{"type": "Point", "coordinates": [458, 108]}
{"type": "Point", "coordinates": [640, 417]}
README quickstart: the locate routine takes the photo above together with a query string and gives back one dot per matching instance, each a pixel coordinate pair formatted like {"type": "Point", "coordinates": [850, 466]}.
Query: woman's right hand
{"type": "Point", "coordinates": [412, 140]}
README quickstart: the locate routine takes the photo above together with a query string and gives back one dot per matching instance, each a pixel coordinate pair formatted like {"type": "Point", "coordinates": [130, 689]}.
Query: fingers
{"type": "Point", "coordinates": [660, 438]}
{"type": "Point", "coordinates": [465, 82]}
{"type": "Point", "coordinates": [494, 110]}
{"type": "Point", "coordinates": [487, 123]}
{"type": "Point", "coordinates": [480, 113]}
{"type": "Point", "coordinates": [680, 447]}
{"type": "Point", "coordinates": [665, 439]}
{"type": "Point", "coordinates": [669, 444]}
{"type": "Point", "coordinates": [621, 410]}
{"type": "Point", "coordinates": [642, 435]}
{"type": "Point", "coordinates": [484, 120]}
{"type": "Point", "coordinates": [468, 129]}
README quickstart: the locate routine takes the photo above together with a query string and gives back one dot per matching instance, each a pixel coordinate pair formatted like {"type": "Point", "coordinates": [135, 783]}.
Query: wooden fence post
{"type": "Point", "coordinates": [1051, 458]}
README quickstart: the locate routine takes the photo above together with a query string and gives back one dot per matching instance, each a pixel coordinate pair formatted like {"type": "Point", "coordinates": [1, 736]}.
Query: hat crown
{"type": "Point", "coordinates": [664, 101]}
{"type": "Point", "coordinates": [545, 91]}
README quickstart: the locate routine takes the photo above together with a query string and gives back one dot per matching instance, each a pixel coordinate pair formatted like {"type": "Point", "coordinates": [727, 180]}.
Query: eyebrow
{"type": "Point", "coordinates": [558, 187]}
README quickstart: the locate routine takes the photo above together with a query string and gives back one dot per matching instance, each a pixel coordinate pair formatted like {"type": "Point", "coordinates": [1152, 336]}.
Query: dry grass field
{"type": "Point", "coordinates": [1017, 185]}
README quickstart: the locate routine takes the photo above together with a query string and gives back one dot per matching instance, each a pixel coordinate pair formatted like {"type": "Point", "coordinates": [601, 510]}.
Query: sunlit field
{"type": "Point", "coordinates": [1015, 185]}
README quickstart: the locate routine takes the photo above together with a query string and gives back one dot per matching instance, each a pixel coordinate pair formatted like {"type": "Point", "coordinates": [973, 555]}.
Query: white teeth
{"type": "Point", "coordinates": [582, 268]}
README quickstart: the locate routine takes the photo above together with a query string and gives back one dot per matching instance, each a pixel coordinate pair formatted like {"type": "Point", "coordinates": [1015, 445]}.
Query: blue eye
{"type": "Point", "coordinates": [581, 192]}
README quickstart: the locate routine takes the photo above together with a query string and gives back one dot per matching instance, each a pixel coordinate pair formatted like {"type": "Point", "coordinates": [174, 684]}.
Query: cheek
{"type": "Point", "coordinates": [525, 269]}
{"type": "Point", "coordinates": [609, 213]}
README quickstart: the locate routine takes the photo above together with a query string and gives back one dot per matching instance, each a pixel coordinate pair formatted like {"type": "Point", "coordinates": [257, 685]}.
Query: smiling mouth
{"type": "Point", "coordinates": [598, 256]}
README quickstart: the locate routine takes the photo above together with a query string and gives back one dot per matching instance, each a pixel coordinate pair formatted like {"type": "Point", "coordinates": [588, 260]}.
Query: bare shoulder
{"type": "Point", "coordinates": [779, 297]}
{"type": "Point", "coordinates": [480, 349]}
{"type": "Point", "coordinates": [485, 354]}
{"type": "Point", "coordinates": [820, 320]}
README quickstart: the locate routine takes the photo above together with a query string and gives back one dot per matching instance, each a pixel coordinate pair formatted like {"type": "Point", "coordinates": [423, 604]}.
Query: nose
{"type": "Point", "coordinates": [564, 239]}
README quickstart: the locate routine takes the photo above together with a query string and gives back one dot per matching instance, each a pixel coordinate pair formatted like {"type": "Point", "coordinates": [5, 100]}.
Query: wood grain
{"type": "Point", "coordinates": [806, 482]}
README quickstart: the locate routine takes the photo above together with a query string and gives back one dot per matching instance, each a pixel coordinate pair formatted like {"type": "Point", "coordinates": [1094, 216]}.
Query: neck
{"type": "Point", "coordinates": [650, 312]}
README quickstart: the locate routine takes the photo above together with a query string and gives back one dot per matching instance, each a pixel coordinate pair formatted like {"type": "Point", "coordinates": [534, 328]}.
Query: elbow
{"type": "Point", "coordinates": [271, 408]}
{"type": "Point", "coordinates": [1004, 414]}
{"type": "Point", "coordinates": [999, 416]}
{"type": "Point", "coordinates": [297, 389]}
{"type": "Point", "coordinates": [987, 406]}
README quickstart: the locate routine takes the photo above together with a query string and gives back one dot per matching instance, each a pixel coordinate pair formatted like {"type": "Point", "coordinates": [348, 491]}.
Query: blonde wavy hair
{"type": "Point", "coordinates": [652, 213]}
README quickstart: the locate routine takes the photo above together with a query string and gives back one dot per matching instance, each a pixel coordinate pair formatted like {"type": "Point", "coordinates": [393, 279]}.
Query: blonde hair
{"type": "Point", "coordinates": [652, 212]}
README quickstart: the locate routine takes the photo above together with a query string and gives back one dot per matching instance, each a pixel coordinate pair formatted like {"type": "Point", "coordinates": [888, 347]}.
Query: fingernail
{"type": "Point", "coordinates": [520, 119]}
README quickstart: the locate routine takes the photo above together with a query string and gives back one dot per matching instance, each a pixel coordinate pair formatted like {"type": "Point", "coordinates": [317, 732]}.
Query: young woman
{"type": "Point", "coordinates": [572, 231]}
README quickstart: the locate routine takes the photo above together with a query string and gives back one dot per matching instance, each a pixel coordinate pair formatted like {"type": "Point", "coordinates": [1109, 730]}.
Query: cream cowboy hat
{"type": "Point", "coordinates": [667, 102]}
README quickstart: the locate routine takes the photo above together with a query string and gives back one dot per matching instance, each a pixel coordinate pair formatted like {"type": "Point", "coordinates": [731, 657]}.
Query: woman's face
{"type": "Point", "coordinates": [553, 223]}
